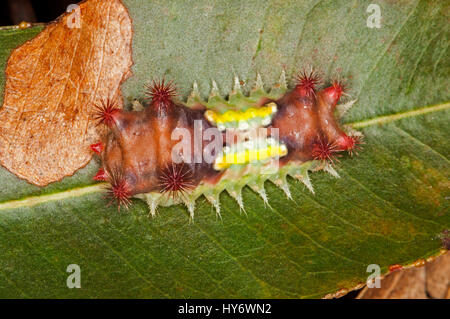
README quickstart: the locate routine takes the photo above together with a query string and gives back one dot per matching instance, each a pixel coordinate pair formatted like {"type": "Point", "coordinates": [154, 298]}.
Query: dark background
{"type": "Point", "coordinates": [15, 11]}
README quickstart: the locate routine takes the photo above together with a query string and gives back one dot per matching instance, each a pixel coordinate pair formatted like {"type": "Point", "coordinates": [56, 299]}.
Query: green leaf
{"type": "Point", "coordinates": [389, 206]}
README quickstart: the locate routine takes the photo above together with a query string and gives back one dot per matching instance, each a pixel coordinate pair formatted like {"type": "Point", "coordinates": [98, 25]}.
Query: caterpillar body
{"type": "Point", "coordinates": [150, 153]}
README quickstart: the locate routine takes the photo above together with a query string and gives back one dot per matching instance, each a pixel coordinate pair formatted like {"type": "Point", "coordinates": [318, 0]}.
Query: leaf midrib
{"type": "Point", "coordinates": [97, 188]}
{"type": "Point", "coordinates": [398, 116]}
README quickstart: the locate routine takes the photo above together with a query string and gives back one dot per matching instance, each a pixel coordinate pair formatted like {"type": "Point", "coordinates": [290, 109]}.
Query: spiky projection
{"type": "Point", "coordinates": [97, 147]}
{"type": "Point", "coordinates": [119, 189]}
{"type": "Point", "coordinates": [175, 180]}
{"type": "Point", "coordinates": [307, 82]}
{"type": "Point", "coordinates": [138, 153]}
{"type": "Point", "coordinates": [161, 93]}
{"type": "Point", "coordinates": [105, 112]}
{"type": "Point", "coordinates": [351, 144]}
{"type": "Point", "coordinates": [324, 151]}
{"type": "Point", "coordinates": [101, 175]}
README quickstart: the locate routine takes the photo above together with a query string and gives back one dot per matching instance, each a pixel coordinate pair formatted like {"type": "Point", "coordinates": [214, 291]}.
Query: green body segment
{"type": "Point", "coordinates": [233, 181]}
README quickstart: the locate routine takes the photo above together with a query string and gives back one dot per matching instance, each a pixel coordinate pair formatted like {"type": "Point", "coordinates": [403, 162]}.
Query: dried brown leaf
{"type": "Point", "coordinates": [52, 84]}
{"type": "Point", "coordinates": [430, 281]}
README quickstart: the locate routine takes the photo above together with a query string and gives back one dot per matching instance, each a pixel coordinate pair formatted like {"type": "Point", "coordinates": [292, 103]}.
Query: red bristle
{"type": "Point", "coordinates": [350, 143]}
{"type": "Point", "coordinates": [339, 87]}
{"type": "Point", "coordinates": [101, 175]}
{"type": "Point", "coordinates": [97, 148]}
{"type": "Point", "coordinates": [161, 93]}
{"type": "Point", "coordinates": [306, 82]}
{"type": "Point", "coordinates": [324, 151]}
{"type": "Point", "coordinates": [335, 91]}
{"type": "Point", "coordinates": [175, 180]}
{"type": "Point", "coordinates": [105, 111]}
{"type": "Point", "coordinates": [119, 190]}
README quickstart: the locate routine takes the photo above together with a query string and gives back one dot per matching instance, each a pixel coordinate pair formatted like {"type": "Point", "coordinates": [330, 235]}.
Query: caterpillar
{"type": "Point", "coordinates": [244, 140]}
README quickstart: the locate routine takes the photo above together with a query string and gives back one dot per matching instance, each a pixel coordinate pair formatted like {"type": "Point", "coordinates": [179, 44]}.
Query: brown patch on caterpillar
{"type": "Point", "coordinates": [297, 123]}
{"type": "Point", "coordinates": [52, 84]}
{"type": "Point", "coordinates": [140, 146]}
{"type": "Point", "coordinates": [307, 124]}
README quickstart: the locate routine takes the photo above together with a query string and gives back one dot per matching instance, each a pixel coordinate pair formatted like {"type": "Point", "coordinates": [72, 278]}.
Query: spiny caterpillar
{"type": "Point", "coordinates": [143, 156]}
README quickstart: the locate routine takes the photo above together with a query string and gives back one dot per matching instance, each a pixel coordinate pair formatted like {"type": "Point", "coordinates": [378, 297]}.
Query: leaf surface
{"type": "Point", "coordinates": [390, 205]}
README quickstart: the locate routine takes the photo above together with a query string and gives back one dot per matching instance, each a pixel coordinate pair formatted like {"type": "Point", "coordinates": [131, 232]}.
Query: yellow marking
{"type": "Point", "coordinates": [236, 116]}
{"type": "Point", "coordinates": [249, 156]}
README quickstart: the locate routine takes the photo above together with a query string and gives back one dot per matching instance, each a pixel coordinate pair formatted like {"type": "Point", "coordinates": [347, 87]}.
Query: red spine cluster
{"type": "Point", "coordinates": [175, 180]}
{"type": "Point", "coordinates": [161, 94]}
{"type": "Point", "coordinates": [119, 189]}
{"type": "Point", "coordinates": [324, 151]}
{"type": "Point", "coordinates": [307, 82]}
{"type": "Point", "coordinates": [105, 112]}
